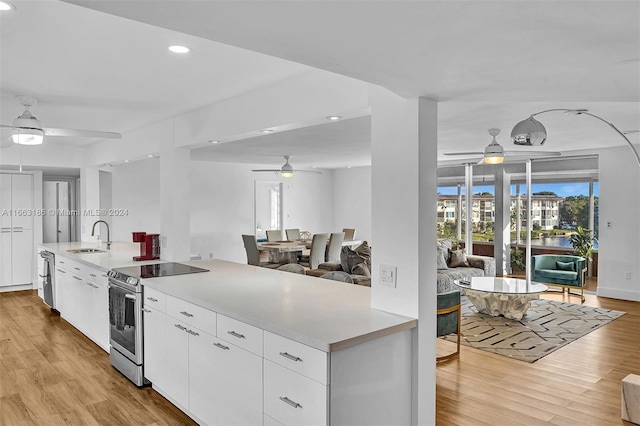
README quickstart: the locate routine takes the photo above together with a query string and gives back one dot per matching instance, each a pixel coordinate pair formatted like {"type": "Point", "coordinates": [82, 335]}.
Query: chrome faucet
{"type": "Point", "coordinates": [93, 231]}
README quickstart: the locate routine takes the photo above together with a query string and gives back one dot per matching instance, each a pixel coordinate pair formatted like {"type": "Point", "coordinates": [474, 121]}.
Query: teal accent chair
{"type": "Point", "coordinates": [560, 270]}
{"type": "Point", "coordinates": [448, 319]}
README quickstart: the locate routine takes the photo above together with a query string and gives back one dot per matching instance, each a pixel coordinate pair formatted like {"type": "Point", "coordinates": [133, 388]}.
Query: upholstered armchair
{"type": "Point", "coordinates": [565, 271]}
{"type": "Point", "coordinates": [448, 319]}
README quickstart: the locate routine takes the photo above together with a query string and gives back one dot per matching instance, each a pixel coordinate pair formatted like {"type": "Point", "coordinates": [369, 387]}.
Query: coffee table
{"type": "Point", "coordinates": [509, 297]}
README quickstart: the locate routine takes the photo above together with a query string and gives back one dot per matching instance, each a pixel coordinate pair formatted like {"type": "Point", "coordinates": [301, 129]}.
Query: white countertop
{"type": "Point", "coordinates": [120, 255]}
{"type": "Point", "coordinates": [327, 315]}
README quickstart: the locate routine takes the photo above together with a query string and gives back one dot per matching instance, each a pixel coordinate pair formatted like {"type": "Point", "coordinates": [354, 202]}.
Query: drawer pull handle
{"type": "Point", "coordinates": [218, 345]}
{"type": "Point", "coordinates": [76, 278]}
{"type": "Point", "coordinates": [152, 299]}
{"type": "Point", "coordinates": [181, 327]}
{"type": "Point", "coordinates": [61, 271]}
{"type": "Point", "coordinates": [193, 333]}
{"type": "Point", "coordinates": [186, 314]}
{"type": "Point", "coordinates": [77, 269]}
{"type": "Point", "coordinates": [234, 334]}
{"type": "Point", "coordinates": [290, 402]}
{"type": "Point", "coordinates": [92, 275]}
{"type": "Point", "coordinates": [105, 275]}
{"type": "Point", "coordinates": [291, 357]}
{"type": "Point", "coordinates": [42, 276]}
{"type": "Point", "coordinates": [146, 311]}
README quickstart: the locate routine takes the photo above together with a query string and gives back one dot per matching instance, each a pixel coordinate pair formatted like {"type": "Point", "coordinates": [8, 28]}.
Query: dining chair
{"type": "Point", "coordinates": [316, 254]}
{"type": "Point", "coordinates": [292, 267]}
{"type": "Point", "coordinates": [253, 254]}
{"type": "Point", "coordinates": [334, 247]}
{"type": "Point", "coordinates": [292, 234]}
{"type": "Point", "coordinates": [349, 233]}
{"type": "Point", "coordinates": [274, 235]}
{"type": "Point", "coordinates": [448, 319]}
{"type": "Point", "coordinates": [338, 276]}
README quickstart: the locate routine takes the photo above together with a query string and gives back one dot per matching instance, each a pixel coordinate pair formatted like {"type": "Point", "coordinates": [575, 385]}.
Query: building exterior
{"type": "Point", "coordinates": [545, 210]}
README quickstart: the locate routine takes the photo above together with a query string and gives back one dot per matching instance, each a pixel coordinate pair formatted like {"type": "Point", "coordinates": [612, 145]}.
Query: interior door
{"type": "Point", "coordinates": [267, 207]}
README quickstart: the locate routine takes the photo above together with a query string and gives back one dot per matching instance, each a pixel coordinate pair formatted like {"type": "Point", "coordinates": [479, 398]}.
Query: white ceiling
{"type": "Point", "coordinates": [489, 63]}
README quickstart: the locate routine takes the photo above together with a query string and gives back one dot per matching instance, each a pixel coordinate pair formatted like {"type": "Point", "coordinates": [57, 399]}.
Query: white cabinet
{"type": "Point", "coordinates": [155, 343]}
{"type": "Point", "coordinates": [177, 350]}
{"type": "Point", "coordinates": [82, 298]}
{"type": "Point", "coordinates": [16, 229]}
{"type": "Point", "coordinates": [225, 382]}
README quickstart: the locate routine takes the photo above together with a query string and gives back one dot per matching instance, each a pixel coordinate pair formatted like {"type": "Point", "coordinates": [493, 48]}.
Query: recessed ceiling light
{"type": "Point", "coordinates": [126, 161]}
{"type": "Point", "coordinates": [267, 131]}
{"type": "Point", "coordinates": [150, 155]}
{"type": "Point", "coordinates": [4, 6]}
{"type": "Point", "coordinates": [334, 117]}
{"type": "Point", "coordinates": [179, 49]}
{"type": "Point", "coordinates": [214, 141]}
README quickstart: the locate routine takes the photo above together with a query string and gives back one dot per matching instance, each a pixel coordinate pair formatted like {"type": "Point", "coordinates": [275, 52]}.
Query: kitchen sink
{"type": "Point", "coordinates": [86, 251]}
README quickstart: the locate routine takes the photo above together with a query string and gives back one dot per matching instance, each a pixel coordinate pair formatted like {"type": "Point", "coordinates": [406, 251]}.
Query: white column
{"type": "Point", "coordinates": [90, 204]}
{"type": "Point", "coordinates": [404, 202]}
{"type": "Point", "coordinates": [468, 186]}
{"type": "Point", "coordinates": [459, 215]}
{"type": "Point", "coordinates": [174, 202]}
{"type": "Point", "coordinates": [502, 240]}
{"type": "Point", "coordinates": [518, 215]}
{"type": "Point", "coordinates": [592, 223]}
{"type": "Point", "coordinates": [529, 223]}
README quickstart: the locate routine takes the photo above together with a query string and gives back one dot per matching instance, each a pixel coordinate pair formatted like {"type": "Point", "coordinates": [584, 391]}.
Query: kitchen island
{"type": "Point", "coordinates": [241, 344]}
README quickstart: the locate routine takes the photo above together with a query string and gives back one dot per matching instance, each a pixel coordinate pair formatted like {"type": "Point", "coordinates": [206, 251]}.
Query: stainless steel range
{"type": "Point", "coordinates": [125, 314]}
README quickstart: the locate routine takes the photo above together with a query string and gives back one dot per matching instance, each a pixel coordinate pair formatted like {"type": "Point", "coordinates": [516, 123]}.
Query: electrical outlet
{"type": "Point", "coordinates": [210, 255]}
{"type": "Point", "coordinates": [388, 276]}
{"type": "Point", "coordinates": [627, 275]}
{"type": "Point", "coordinates": [609, 224]}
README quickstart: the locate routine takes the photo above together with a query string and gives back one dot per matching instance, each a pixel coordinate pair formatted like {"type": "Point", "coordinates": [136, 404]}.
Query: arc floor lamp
{"type": "Point", "coordinates": [531, 132]}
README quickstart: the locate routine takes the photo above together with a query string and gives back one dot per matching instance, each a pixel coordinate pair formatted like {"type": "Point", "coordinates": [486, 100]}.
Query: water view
{"type": "Point", "coordinates": [560, 241]}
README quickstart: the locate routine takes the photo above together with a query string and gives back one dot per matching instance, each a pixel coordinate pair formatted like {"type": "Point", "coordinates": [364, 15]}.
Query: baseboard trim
{"type": "Point", "coordinates": [615, 293]}
{"type": "Point", "coordinates": [16, 288]}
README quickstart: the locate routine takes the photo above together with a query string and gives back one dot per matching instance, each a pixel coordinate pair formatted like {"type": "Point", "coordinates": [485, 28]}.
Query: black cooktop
{"type": "Point", "coordinates": [159, 270]}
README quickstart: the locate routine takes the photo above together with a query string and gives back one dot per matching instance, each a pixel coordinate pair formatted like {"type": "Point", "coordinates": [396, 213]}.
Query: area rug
{"type": "Point", "coordinates": [547, 326]}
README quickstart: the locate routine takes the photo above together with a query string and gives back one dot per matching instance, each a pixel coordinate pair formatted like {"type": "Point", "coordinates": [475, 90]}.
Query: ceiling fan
{"type": "Point", "coordinates": [495, 154]}
{"type": "Point", "coordinates": [287, 169]}
{"type": "Point", "coordinates": [28, 130]}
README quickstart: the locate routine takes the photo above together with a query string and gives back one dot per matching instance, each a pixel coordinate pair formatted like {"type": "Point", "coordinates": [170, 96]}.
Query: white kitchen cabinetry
{"type": "Point", "coordinates": [155, 340]}
{"type": "Point", "coordinates": [16, 229]}
{"type": "Point", "coordinates": [82, 299]}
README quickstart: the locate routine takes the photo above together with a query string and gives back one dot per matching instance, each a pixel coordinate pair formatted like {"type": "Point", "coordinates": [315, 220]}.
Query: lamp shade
{"type": "Point", "coordinates": [286, 170]}
{"type": "Point", "coordinates": [529, 132]}
{"type": "Point", "coordinates": [27, 136]}
{"type": "Point", "coordinates": [493, 153]}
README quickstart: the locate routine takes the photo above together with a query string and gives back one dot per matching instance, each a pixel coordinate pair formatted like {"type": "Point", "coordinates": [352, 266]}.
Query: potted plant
{"type": "Point", "coordinates": [517, 259]}
{"type": "Point", "coordinates": [582, 242]}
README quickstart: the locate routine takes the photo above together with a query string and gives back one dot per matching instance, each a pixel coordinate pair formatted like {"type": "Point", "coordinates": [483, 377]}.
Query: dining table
{"type": "Point", "coordinates": [283, 252]}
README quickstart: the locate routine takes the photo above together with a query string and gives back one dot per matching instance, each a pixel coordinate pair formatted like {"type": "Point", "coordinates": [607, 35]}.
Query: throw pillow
{"type": "Point", "coordinates": [441, 260]}
{"type": "Point", "coordinates": [458, 258]}
{"type": "Point", "coordinates": [365, 252]}
{"type": "Point", "coordinates": [565, 266]}
{"type": "Point", "coordinates": [446, 246]}
{"type": "Point", "coordinates": [349, 258]}
{"type": "Point", "coordinates": [361, 269]}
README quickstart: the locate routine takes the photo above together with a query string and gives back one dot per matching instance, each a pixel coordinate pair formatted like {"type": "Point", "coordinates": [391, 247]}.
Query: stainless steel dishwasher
{"type": "Point", "coordinates": [49, 279]}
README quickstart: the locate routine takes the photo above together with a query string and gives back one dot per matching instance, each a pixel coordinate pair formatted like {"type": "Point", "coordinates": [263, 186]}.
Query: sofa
{"type": "Point", "coordinates": [560, 270]}
{"type": "Point", "coordinates": [355, 262]}
{"type": "Point", "coordinates": [456, 264]}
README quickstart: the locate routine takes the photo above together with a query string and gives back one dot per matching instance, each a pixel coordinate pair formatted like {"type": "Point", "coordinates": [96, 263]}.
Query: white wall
{"type": "Point", "coordinates": [136, 187]}
{"type": "Point", "coordinates": [222, 206]}
{"type": "Point", "coordinates": [352, 201]}
{"type": "Point", "coordinates": [619, 203]}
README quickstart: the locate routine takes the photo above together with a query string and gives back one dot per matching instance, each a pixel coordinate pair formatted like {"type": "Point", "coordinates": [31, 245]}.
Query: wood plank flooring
{"type": "Point", "coordinates": [578, 384]}
{"type": "Point", "coordinates": [51, 374]}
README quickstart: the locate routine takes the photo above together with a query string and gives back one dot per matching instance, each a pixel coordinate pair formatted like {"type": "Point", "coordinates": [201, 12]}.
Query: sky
{"type": "Point", "coordinates": [563, 190]}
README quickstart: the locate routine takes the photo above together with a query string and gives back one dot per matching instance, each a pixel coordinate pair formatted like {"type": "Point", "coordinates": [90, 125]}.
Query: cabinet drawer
{"type": "Point", "coordinates": [154, 299]}
{"type": "Point", "coordinates": [295, 356]}
{"type": "Point", "coordinates": [240, 334]}
{"type": "Point", "coordinates": [293, 399]}
{"type": "Point", "coordinates": [196, 316]}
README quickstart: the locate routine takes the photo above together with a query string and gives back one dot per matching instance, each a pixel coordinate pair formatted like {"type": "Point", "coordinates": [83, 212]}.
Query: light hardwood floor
{"type": "Point", "coordinates": [578, 384]}
{"type": "Point", "coordinates": [51, 374]}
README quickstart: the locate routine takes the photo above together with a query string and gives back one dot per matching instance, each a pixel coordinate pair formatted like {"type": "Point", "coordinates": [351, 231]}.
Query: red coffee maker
{"type": "Point", "coordinates": [149, 245]}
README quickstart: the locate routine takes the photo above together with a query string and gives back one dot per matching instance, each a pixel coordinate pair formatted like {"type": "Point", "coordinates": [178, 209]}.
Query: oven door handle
{"type": "Point", "coordinates": [130, 296]}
